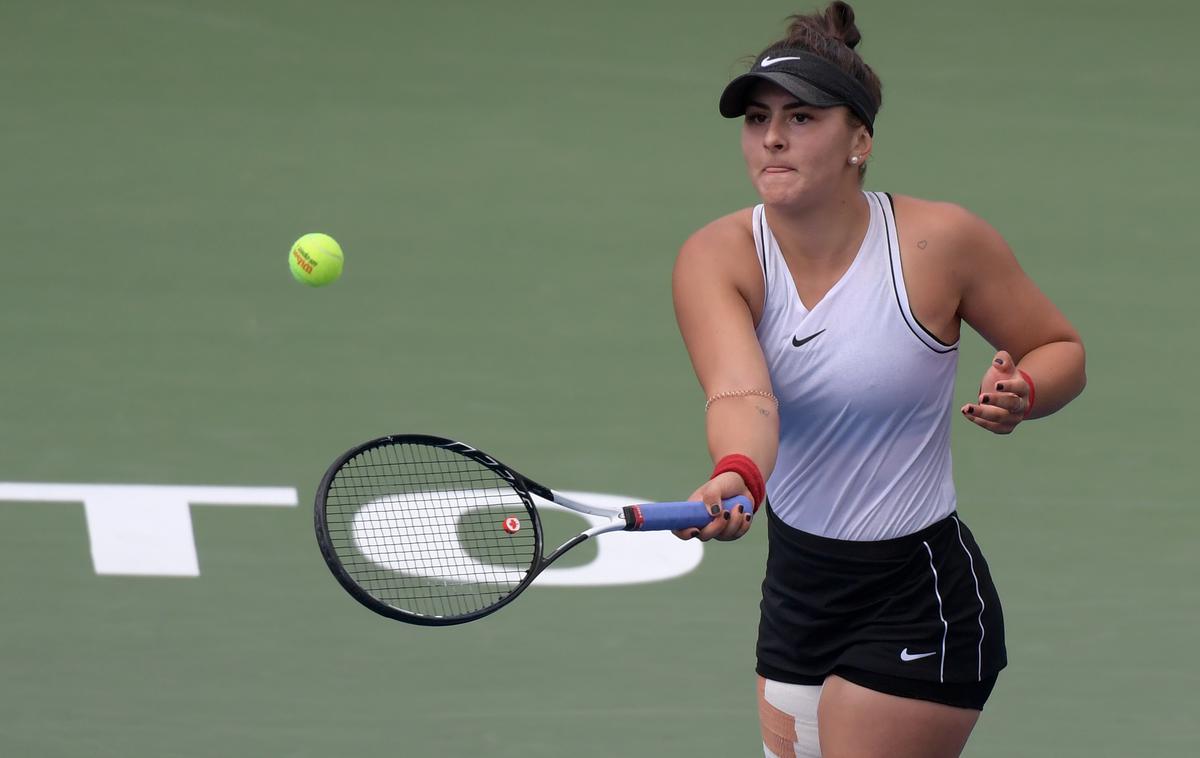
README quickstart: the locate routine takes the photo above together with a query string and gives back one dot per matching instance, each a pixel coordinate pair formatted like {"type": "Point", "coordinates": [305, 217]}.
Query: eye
{"type": "Point", "coordinates": [800, 118]}
{"type": "Point", "coordinates": [756, 118]}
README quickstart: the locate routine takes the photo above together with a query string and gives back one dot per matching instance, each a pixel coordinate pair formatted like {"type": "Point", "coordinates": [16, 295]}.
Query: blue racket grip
{"type": "Point", "coordinates": [650, 517]}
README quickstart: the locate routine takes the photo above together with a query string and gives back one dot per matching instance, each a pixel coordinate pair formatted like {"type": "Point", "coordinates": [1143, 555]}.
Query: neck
{"type": "Point", "coordinates": [828, 232]}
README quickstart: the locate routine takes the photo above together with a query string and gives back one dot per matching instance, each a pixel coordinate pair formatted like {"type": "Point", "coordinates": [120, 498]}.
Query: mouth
{"type": "Point", "coordinates": [777, 169]}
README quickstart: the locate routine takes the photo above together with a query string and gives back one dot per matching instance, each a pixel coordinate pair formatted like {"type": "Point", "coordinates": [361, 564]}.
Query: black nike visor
{"type": "Point", "coordinates": [809, 78]}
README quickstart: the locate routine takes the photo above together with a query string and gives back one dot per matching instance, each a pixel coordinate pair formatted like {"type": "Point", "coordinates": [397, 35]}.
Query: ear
{"type": "Point", "coordinates": [861, 143]}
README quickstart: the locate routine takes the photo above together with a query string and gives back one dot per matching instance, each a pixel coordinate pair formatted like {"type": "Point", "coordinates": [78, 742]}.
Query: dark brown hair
{"type": "Point", "coordinates": [832, 35]}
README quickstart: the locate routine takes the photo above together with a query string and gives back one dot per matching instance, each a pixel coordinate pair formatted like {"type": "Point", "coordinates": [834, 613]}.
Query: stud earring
{"type": "Point", "coordinates": [854, 160]}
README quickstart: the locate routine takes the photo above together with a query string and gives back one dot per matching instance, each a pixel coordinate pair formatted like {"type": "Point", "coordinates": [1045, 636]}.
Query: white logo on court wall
{"type": "Point", "coordinates": [146, 530]}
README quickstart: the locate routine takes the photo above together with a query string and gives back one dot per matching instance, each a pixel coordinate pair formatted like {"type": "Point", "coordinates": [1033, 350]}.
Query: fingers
{"type": "Point", "coordinates": [715, 529]}
{"type": "Point", "coordinates": [1008, 401]}
{"type": "Point", "coordinates": [992, 426]}
{"type": "Point", "coordinates": [1003, 397]}
{"type": "Point", "coordinates": [738, 523]}
{"type": "Point", "coordinates": [725, 525]}
{"type": "Point", "coordinates": [729, 525]}
{"type": "Point", "coordinates": [991, 417]}
{"type": "Point", "coordinates": [1011, 395]}
{"type": "Point", "coordinates": [1015, 385]}
{"type": "Point", "coordinates": [1001, 369]}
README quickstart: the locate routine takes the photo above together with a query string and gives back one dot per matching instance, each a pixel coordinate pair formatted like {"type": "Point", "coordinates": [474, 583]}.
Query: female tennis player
{"type": "Point", "coordinates": [823, 326]}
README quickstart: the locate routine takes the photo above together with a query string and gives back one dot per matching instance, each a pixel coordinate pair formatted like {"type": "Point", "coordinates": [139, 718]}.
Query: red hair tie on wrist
{"type": "Point", "coordinates": [748, 470]}
{"type": "Point", "coordinates": [1032, 393]}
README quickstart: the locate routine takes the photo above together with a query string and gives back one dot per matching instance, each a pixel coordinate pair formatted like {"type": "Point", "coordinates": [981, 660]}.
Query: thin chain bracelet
{"type": "Point", "coordinates": [740, 393]}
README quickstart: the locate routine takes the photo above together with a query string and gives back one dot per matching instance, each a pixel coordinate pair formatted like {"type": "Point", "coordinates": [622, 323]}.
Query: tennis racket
{"type": "Point", "coordinates": [431, 531]}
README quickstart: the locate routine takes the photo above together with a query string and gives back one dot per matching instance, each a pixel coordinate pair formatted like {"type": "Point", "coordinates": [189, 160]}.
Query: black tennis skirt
{"type": "Point", "coordinates": [916, 616]}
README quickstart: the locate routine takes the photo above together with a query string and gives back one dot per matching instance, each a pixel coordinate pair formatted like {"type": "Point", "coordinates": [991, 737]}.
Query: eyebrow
{"type": "Point", "coordinates": [789, 107]}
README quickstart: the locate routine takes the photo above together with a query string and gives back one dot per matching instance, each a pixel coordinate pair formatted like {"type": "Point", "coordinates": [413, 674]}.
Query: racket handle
{"type": "Point", "coordinates": [649, 517]}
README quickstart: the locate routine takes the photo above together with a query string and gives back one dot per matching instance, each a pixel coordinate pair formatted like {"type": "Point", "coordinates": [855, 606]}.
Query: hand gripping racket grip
{"type": "Point", "coordinates": [650, 517]}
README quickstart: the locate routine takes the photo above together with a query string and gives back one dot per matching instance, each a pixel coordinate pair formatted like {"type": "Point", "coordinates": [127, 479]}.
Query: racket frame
{"type": "Point", "coordinates": [522, 485]}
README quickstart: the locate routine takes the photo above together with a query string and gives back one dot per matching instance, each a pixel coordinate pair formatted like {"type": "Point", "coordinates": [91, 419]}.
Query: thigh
{"type": "Point", "coordinates": [862, 723]}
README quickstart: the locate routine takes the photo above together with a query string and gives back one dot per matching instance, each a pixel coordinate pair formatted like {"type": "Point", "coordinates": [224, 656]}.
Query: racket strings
{"type": "Point", "coordinates": [421, 528]}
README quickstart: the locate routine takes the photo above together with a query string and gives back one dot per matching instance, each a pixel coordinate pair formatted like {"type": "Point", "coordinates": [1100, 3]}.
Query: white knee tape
{"type": "Point", "coordinates": [789, 715]}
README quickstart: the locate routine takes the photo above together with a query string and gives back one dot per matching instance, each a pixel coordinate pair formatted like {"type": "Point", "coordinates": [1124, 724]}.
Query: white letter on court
{"type": "Point", "coordinates": [144, 529]}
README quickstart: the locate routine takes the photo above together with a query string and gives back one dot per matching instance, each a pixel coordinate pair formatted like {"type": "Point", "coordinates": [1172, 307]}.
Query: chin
{"type": "Point", "coordinates": [797, 191]}
{"type": "Point", "coordinates": [778, 193]}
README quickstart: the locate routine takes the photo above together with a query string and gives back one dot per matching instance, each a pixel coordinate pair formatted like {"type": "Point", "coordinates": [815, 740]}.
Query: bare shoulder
{"type": "Point", "coordinates": [720, 254]}
{"type": "Point", "coordinates": [946, 235]}
{"type": "Point", "coordinates": [958, 228]}
{"type": "Point", "coordinates": [721, 238]}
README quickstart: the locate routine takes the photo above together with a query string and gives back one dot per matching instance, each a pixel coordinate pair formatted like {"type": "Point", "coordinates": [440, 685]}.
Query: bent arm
{"type": "Point", "coordinates": [1003, 304]}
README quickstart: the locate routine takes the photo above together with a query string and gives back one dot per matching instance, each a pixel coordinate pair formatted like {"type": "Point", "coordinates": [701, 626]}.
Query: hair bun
{"type": "Point", "coordinates": [839, 19]}
{"type": "Point", "coordinates": [835, 24]}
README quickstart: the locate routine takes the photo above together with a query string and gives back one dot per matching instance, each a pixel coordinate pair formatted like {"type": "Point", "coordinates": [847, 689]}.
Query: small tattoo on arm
{"type": "Point", "coordinates": [762, 411]}
{"type": "Point", "coordinates": [923, 244]}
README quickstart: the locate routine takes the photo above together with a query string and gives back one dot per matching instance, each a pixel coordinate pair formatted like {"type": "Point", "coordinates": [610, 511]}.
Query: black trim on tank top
{"type": "Point", "coordinates": [762, 238]}
{"type": "Point", "coordinates": [892, 265]}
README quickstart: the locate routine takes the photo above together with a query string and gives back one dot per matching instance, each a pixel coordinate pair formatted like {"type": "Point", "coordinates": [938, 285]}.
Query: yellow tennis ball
{"type": "Point", "coordinates": [316, 260]}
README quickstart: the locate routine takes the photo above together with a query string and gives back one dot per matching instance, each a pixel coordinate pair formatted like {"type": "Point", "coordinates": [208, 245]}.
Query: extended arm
{"type": "Point", "coordinates": [713, 284]}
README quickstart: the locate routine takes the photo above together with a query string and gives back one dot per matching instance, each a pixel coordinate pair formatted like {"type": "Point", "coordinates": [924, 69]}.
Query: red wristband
{"type": "Point", "coordinates": [1032, 392]}
{"type": "Point", "coordinates": [748, 470]}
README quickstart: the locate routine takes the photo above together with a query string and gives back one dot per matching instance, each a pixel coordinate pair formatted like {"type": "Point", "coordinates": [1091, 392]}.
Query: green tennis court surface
{"type": "Point", "coordinates": [510, 183]}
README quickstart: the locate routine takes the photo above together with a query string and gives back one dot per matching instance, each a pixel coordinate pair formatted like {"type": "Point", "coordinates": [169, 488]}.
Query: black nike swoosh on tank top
{"type": "Point", "coordinates": [809, 338]}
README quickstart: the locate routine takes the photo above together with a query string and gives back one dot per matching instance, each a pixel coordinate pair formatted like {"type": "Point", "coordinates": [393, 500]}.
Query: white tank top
{"type": "Point", "coordinates": [864, 395]}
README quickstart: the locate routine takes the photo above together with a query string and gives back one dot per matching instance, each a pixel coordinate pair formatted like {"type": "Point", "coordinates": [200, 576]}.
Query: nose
{"type": "Point", "coordinates": [774, 138]}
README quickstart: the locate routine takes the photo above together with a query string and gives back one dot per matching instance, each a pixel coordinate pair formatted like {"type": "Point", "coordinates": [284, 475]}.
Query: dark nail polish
{"type": "Point", "coordinates": [999, 361]}
{"type": "Point", "coordinates": [999, 387]}
{"type": "Point", "coordinates": [748, 517]}
{"type": "Point", "coordinates": [726, 515]}
{"type": "Point", "coordinates": [986, 400]}
{"type": "Point", "coordinates": [714, 509]}
{"type": "Point", "coordinates": [970, 411]}
{"type": "Point", "coordinates": [741, 509]}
